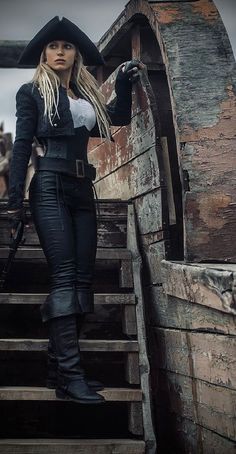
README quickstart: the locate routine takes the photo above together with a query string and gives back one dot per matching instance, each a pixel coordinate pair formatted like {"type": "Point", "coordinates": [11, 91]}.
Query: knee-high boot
{"type": "Point", "coordinates": [51, 381]}
{"type": "Point", "coordinates": [71, 383]}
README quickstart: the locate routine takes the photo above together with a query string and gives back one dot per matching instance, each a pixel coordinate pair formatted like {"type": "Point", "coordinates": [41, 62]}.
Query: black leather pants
{"type": "Point", "coordinates": [64, 214]}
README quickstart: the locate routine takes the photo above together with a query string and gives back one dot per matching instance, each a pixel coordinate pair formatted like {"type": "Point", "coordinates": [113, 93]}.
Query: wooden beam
{"type": "Point", "coordinates": [92, 345]}
{"type": "Point", "coordinates": [71, 446]}
{"type": "Point", "coordinates": [210, 406]}
{"type": "Point", "coordinates": [10, 52]}
{"type": "Point", "coordinates": [172, 312]}
{"type": "Point", "coordinates": [136, 44]}
{"type": "Point", "coordinates": [168, 179]}
{"type": "Point", "coordinates": [204, 356]}
{"type": "Point", "coordinates": [202, 284]}
{"type": "Point", "coordinates": [36, 253]}
{"type": "Point", "coordinates": [40, 393]}
{"type": "Point", "coordinates": [132, 245]}
{"type": "Point", "coordinates": [39, 298]}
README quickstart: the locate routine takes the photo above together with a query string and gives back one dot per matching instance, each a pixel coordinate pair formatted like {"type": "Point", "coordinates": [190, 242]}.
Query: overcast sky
{"type": "Point", "coordinates": [23, 18]}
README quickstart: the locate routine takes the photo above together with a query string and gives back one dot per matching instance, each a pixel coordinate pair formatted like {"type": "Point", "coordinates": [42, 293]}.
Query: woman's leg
{"type": "Point", "coordinates": [54, 227]}
{"type": "Point", "coordinates": [53, 224]}
{"type": "Point", "coordinates": [71, 382]}
{"type": "Point", "coordinates": [85, 234]}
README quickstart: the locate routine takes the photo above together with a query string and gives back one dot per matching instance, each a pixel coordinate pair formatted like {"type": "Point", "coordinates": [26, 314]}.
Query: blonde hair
{"type": "Point", "coordinates": [48, 83]}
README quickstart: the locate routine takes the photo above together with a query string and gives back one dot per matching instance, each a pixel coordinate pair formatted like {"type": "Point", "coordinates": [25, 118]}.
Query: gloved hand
{"type": "Point", "coordinates": [130, 70]}
{"type": "Point", "coordinates": [15, 217]}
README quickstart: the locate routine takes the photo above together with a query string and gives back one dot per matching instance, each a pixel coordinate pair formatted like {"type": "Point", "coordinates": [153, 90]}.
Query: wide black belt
{"type": "Point", "coordinates": [76, 168]}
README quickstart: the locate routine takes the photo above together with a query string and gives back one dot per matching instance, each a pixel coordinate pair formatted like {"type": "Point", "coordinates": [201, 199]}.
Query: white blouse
{"type": "Point", "coordinates": [83, 113]}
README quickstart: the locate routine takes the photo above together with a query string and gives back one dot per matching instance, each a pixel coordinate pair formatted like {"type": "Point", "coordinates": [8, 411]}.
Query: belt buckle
{"type": "Point", "coordinates": [79, 166]}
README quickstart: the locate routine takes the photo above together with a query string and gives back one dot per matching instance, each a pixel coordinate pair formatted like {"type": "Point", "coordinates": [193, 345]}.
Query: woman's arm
{"type": "Point", "coordinates": [119, 109]}
{"type": "Point", "coordinates": [26, 113]}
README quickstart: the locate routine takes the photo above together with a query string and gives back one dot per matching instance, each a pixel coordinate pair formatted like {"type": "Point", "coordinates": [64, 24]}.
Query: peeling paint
{"type": "Point", "coordinates": [167, 13]}
{"type": "Point", "coordinates": [201, 75]}
{"type": "Point", "coordinates": [225, 123]}
{"type": "Point", "coordinates": [206, 9]}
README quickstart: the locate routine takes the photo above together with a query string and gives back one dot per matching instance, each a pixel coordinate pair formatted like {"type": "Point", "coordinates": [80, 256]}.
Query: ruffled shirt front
{"type": "Point", "coordinates": [83, 113]}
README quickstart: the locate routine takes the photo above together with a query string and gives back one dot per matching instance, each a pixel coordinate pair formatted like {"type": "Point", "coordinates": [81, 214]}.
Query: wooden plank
{"type": "Point", "coordinates": [111, 209]}
{"type": "Point", "coordinates": [214, 288]}
{"type": "Point", "coordinates": [217, 266]}
{"type": "Point", "coordinates": [205, 122]}
{"type": "Point", "coordinates": [136, 43]}
{"type": "Point", "coordinates": [153, 237]}
{"type": "Point", "coordinates": [71, 446]}
{"type": "Point", "coordinates": [215, 444]}
{"type": "Point", "coordinates": [132, 179]}
{"type": "Point", "coordinates": [40, 393]}
{"type": "Point", "coordinates": [168, 177]}
{"type": "Point", "coordinates": [10, 51]}
{"type": "Point", "coordinates": [171, 312]}
{"type": "Point", "coordinates": [210, 213]}
{"type": "Point", "coordinates": [189, 437]}
{"type": "Point", "coordinates": [34, 253]}
{"type": "Point", "coordinates": [111, 224]}
{"type": "Point", "coordinates": [129, 324]}
{"type": "Point", "coordinates": [210, 406]}
{"type": "Point", "coordinates": [125, 274]}
{"type": "Point", "coordinates": [155, 253]}
{"type": "Point", "coordinates": [132, 373]}
{"type": "Point", "coordinates": [131, 141]}
{"type": "Point", "coordinates": [206, 356]}
{"type": "Point", "coordinates": [132, 244]}
{"type": "Point", "coordinates": [39, 298]}
{"type": "Point", "coordinates": [149, 211]}
{"type": "Point", "coordinates": [91, 345]}
{"type": "Point", "coordinates": [135, 418]}
{"type": "Point", "coordinates": [111, 232]}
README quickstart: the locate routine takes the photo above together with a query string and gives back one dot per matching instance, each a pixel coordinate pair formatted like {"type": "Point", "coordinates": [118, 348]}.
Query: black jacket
{"type": "Point", "coordinates": [31, 122]}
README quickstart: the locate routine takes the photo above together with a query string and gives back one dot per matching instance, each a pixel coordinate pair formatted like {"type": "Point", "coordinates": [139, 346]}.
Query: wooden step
{"type": "Point", "coordinates": [109, 208]}
{"type": "Point", "coordinates": [39, 298]}
{"type": "Point", "coordinates": [36, 253]}
{"type": "Point", "coordinates": [112, 225]}
{"type": "Point", "coordinates": [45, 394]}
{"type": "Point", "coordinates": [72, 446]}
{"type": "Point", "coordinates": [85, 345]}
{"type": "Point", "coordinates": [126, 301]}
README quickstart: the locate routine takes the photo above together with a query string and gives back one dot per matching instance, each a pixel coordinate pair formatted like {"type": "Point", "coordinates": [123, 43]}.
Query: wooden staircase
{"type": "Point", "coordinates": [112, 342]}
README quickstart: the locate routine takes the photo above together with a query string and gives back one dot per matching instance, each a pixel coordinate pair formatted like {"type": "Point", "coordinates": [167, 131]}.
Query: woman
{"type": "Point", "coordinates": [61, 108]}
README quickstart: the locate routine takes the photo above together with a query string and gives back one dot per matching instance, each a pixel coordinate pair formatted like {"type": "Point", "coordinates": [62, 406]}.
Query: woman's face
{"type": "Point", "coordinates": [60, 55]}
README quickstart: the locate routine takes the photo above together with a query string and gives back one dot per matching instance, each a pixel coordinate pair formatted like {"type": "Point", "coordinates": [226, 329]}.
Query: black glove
{"type": "Point", "coordinates": [16, 217]}
{"type": "Point", "coordinates": [129, 70]}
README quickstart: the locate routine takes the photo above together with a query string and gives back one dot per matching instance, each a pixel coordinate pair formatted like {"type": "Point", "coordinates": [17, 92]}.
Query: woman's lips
{"type": "Point", "coordinates": [59, 61]}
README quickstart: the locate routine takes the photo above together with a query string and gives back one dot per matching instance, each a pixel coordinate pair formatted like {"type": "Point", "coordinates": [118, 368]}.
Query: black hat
{"type": "Point", "coordinates": [57, 29]}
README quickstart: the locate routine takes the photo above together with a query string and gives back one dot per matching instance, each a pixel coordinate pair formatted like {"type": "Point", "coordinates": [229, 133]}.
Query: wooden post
{"type": "Point", "coordinates": [136, 44]}
{"type": "Point", "coordinates": [132, 244]}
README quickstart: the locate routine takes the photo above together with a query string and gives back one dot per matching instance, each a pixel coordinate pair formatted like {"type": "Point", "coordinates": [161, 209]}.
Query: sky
{"type": "Point", "coordinates": [20, 20]}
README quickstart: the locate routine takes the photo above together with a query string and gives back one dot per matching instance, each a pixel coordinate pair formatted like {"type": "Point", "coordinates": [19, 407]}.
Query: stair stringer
{"type": "Point", "coordinates": [132, 246]}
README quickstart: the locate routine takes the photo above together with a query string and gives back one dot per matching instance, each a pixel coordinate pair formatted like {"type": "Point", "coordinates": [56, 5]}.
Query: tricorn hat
{"type": "Point", "coordinates": [57, 29]}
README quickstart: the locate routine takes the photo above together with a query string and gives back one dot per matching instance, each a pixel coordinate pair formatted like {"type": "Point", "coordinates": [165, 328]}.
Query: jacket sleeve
{"type": "Point", "coordinates": [26, 113]}
{"type": "Point", "coordinates": [119, 109]}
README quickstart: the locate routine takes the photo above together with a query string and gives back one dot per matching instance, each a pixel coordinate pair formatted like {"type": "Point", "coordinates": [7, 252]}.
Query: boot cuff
{"type": "Point", "coordinates": [60, 302]}
{"type": "Point", "coordinates": [85, 300]}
